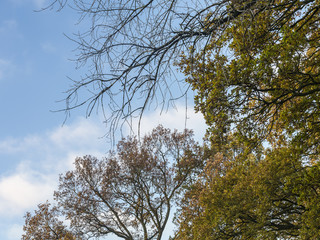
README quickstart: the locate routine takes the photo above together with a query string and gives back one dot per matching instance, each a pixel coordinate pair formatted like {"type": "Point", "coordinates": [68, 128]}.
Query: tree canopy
{"type": "Point", "coordinates": [254, 67]}
{"type": "Point", "coordinates": [45, 224]}
{"type": "Point", "coordinates": [131, 193]}
{"type": "Point", "coordinates": [277, 198]}
{"type": "Point", "coordinates": [260, 73]}
{"type": "Point", "coordinates": [257, 85]}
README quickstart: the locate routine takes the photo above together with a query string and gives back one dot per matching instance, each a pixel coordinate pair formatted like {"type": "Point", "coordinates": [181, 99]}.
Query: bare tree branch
{"type": "Point", "coordinates": [130, 48]}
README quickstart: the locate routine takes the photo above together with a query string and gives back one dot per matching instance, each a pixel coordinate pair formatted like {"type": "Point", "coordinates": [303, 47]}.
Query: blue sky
{"type": "Point", "coordinates": [34, 146]}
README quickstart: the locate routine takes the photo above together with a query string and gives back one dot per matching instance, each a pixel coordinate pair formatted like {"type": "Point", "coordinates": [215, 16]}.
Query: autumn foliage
{"type": "Point", "coordinates": [256, 80]}
{"type": "Point", "coordinates": [45, 224]}
{"type": "Point", "coordinates": [130, 193]}
{"type": "Point", "coordinates": [257, 85]}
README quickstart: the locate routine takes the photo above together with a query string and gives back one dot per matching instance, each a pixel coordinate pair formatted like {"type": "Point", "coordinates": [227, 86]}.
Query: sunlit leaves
{"type": "Point", "coordinates": [261, 75]}
{"type": "Point", "coordinates": [257, 84]}
{"type": "Point", "coordinates": [274, 198]}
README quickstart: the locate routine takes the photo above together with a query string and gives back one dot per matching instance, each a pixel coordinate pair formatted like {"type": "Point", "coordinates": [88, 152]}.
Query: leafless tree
{"type": "Point", "coordinates": [131, 47]}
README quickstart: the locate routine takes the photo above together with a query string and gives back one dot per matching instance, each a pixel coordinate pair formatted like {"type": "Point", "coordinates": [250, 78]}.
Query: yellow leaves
{"type": "Point", "coordinates": [254, 198]}
{"type": "Point", "coordinates": [252, 75]}
{"type": "Point", "coordinates": [260, 86]}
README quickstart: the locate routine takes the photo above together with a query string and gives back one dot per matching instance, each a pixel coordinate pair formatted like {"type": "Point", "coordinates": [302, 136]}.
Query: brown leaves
{"type": "Point", "coordinates": [45, 224]}
{"type": "Point", "coordinates": [130, 193]}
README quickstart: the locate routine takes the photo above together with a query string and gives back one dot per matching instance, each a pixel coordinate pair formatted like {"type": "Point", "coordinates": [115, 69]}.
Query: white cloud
{"type": "Point", "coordinates": [14, 232]}
{"type": "Point", "coordinates": [41, 159]}
{"type": "Point", "coordinates": [13, 145]}
{"type": "Point", "coordinates": [84, 134]}
{"type": "Point", "coordinates": [38, 4]}
{"type": "Point", "coordinates": [23, 190]}
{"type": "Point", "coordinates": [6, 67]}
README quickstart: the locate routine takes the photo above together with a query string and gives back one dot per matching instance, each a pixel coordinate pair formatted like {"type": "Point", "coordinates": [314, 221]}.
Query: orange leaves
{"type": "Point", "coordinates": [130, 193]}
{"type": "Point", "coordinates": [45, 224]}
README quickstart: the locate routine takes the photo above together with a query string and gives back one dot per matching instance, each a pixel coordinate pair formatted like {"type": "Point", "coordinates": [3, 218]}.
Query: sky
{"type": "Point", "coordinates": [35, 145]}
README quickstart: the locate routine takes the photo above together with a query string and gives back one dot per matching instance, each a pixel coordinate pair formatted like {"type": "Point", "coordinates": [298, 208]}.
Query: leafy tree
{"type": "Point", "coordinates": [254, 66]}
{"type": "Point", "coordinates": [277, 198]}
{"type": "Point", "coordinates": [130, 193]}
{"type": "Point", "coordinates": [257, 84]}
{"type": "Point", "coordinates": [45, 224]}
{"type": "Point", "coordinates": [260, 75]}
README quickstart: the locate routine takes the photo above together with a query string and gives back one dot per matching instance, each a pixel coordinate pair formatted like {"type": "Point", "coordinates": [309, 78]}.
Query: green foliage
{"type": "Point", "coordinates": [260, 73]}
{"type": "Point", "coordinates": [277, 198]}
{"type": "Point", "coordinates": [257, 84]}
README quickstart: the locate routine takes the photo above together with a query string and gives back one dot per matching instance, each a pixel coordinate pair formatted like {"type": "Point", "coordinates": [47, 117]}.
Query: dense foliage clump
{"type": "Point", "coordinates": [257, 84]}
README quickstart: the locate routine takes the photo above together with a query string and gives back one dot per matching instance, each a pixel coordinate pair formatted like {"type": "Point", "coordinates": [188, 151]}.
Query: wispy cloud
{"type": "Point", "coordinates": [6, 68]}
{"type": "Point", "coordinates": [14, 232]}
{"type": "Point", "coordinates": [41, 159]}
{"type": "Point", "coordinates": [38, 4]}
{"type": "Point", "coordinates": [23, 189]}
{"type": "Point", "coordinates": [48, 47]}
{"type": "Point", "coordinates": [7, 26]}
